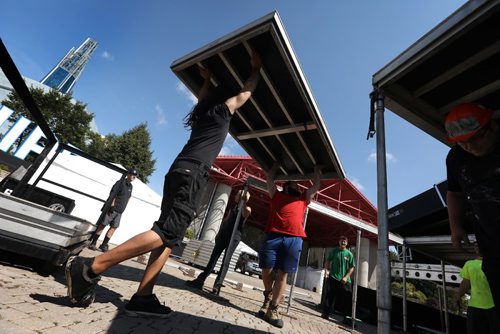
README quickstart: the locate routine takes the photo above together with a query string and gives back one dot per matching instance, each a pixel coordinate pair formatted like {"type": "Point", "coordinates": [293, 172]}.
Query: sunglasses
{"type": "Point", "coordinates": [477, 136]}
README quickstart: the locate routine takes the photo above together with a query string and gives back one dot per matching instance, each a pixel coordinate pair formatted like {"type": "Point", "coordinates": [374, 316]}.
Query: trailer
{"type": "Point", "coordinates": [32, 229]}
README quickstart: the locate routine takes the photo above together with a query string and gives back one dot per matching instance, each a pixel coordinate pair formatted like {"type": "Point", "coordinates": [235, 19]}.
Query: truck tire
{"type": "Point", "coordinates": [57, 207]}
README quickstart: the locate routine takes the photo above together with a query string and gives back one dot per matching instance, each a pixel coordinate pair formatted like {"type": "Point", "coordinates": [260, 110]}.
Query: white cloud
{"type": "Point", "coordinates": [187, 93]}
{"type": "Point", "coordinates": [357, 184]}
{"type": "Point", "coordinates": [388, 156]}
{"type": "Point", "coordinates": [108, 56]}
{"type": "Point", "coordinates": [161, 119]}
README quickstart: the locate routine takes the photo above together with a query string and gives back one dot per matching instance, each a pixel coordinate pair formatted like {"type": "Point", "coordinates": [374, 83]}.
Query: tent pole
{"type": "Point", "coordinates": [446, 322]}
{"type": "Point", "coordinates": [405, 316]}
{"type": "Point", "coordinates": [383, 268]}
{"type": "Point", "coordinates": [295, 273]}
{"type": "Point", "coordinates": [356, 279]}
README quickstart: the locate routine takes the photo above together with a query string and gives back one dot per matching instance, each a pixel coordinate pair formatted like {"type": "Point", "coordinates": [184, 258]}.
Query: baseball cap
{"type": "Point", "coordinates": [465, 120]}
{"type": "Point", "coordinates": [132, 171]}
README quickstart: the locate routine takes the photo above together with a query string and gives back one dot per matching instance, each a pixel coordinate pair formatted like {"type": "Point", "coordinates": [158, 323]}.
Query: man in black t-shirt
{"type": "Point", "coordinates": [473, 170]}
{"type": "Point", "coordinates": [119, 195]}
{"type": "Point", "coordinates": [223, 239]}
{"type": "Point", "coordinates": [187, 177]}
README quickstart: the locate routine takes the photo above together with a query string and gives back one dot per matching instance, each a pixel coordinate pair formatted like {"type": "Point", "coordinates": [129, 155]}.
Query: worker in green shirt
{"type": "Point", "coordinates": [481, 316]}
{"type": "Point", "coordinates": [341, 263]}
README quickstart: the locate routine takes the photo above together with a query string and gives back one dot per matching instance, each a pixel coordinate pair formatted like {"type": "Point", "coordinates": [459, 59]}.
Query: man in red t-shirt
{"type": "Point", "coordinates": [281, 249]}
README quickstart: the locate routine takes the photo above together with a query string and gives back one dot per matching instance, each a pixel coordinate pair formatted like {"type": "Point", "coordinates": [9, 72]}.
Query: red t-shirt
{"type": "Point", "coordinates": [287, 214]}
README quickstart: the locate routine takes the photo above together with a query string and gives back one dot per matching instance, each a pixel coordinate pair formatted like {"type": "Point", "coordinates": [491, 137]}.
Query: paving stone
{"type": "Point", "coordinates": [7, 327]}
{"type": "Point", "coordinates": [41, 304]}
{"type": "Point", "coordinates": [33, 323]}
{"type": "Point", "coordinates": [9, 313]}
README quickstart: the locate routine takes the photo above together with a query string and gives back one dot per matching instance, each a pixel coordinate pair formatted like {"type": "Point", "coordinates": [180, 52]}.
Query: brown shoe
{"type": "Point", "coordinates": [267, 300]}
{"type": "Point", "coordinates": [273, 316]}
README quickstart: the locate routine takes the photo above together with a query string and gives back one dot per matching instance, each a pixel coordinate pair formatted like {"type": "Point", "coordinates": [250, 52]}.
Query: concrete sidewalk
{"type": "Point", "coordinates": [32, 303]}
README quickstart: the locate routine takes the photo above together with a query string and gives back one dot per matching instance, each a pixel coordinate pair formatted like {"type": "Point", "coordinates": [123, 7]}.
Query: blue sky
{"type": "Point", "coordinates": [339, 44]}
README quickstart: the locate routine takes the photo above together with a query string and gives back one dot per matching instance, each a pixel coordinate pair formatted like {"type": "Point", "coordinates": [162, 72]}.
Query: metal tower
{"type": "Point", "coordinates": [65, 74]}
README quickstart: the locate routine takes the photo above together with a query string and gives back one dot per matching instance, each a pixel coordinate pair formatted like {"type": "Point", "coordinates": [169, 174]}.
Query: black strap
{"type": "Point", "coordinates": [371, 126]}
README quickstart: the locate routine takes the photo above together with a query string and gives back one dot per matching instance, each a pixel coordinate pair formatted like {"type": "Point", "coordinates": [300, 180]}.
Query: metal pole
{"type": "Point", "coordinates": [356, 280]}
{"type": "Point", "coordinates": [295, 273]}
{"type": "Point", "coordinates": [383, 268]}
{"type": "Point", "coordinates": [440, 306]}
{"type": "Point", "coordinates": [56, 153]}
{"type": "Point", "coordinates": [227, 257]}
{"type": "Point", "coordinates": [405, 316]}
{"type": "Point", "coordinates": [446, 322]}
{"type": "Point", "coordinates": [440, 196]}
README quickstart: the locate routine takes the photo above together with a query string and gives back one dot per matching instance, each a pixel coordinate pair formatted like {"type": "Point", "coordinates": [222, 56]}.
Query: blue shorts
{"type": "Point", "coordinates": [280, 251]}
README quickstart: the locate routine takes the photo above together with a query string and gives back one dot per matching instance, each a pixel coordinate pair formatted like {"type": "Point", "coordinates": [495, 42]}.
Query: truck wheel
{"type": "Point", "coordinates": [57, 207]}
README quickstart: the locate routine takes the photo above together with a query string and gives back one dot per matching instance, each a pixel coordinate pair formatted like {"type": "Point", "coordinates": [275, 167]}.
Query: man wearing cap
{"type": "Point", "coordinates": [119, 196]}
{"type": "Point", "coordinates": [473, 172]}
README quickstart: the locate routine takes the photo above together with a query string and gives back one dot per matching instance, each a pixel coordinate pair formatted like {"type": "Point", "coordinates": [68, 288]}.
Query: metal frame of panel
{"type": "Point", "coordinates": [281, 122]}
{"type": "Point", "coordinates": [455, 62]}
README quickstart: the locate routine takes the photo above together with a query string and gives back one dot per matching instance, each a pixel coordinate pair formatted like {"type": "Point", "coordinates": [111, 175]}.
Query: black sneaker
{"type": "Point", "coordinates": [80, 285]}
{"type": "Point", "coordinates": [347, 321]}
{"type": "Point", "coordinates": [92, 247]}
{"type": "Point", "coordinates": [196, 283]}
{"type": "Point", "coordinates": [104, 248]}
{"type": "Point", "coordinates": [147, 305]}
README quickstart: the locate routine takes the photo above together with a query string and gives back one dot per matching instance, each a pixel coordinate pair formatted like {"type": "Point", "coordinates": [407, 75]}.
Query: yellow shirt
{"type": "Point", "coordinates": [480, 294]}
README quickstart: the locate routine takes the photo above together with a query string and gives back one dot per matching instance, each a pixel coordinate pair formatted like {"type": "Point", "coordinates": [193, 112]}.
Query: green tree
{"type": "Point", "coordinates": [130, 149]}
{"type": "Point", "coordinates": [67, 118]}
{"type": "Point", "coordinates": [70, 122]}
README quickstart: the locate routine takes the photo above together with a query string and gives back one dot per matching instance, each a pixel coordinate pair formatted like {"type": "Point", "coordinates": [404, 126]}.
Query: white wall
{"type": "Point", "coordinates": [96, 180]}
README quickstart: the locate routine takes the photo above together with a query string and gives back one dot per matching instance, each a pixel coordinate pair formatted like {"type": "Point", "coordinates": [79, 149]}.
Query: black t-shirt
{"type": "Point", "coordinates": [227, 225]}
{"type": "Point", "coordinates": [123, 194]}
{"type": "Point", "coordinates": [208, 135]}
{"type": "Point", "coordinates": [478, 178]}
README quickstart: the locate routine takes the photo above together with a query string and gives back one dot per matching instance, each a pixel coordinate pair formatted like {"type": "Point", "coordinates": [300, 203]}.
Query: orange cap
{"type": "Point", "coordinates": [465, 120]}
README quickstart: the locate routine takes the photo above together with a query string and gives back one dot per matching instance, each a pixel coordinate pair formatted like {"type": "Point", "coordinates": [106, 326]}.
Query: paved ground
{"type": "Point", "coordinates": [33, 303]}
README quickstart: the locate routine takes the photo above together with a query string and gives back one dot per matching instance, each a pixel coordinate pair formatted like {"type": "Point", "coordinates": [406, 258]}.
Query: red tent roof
{"type": "Point", "coordinates": [321, 230]}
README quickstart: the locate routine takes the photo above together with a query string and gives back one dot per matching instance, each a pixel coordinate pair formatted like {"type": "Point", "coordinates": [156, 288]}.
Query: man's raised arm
{"type": "Point", "coordinates": [235, 102]}
{"type": "Point", "coordinates": [316, 183]}
{"type": "Point", "coordinates": [271, 186]}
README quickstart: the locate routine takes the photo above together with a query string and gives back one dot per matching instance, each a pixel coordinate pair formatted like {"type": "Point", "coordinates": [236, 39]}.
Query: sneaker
{"type": "Point", "coordinates": [347, 321]}
{"type": "Point", "coordinates": [80, 285]}
{"type": "Point", "coordinates": [267, 300]}
{"type": "Point", "coordinates": [273, 316]}
{"type": "Point", "coordinates": [104, 248]}
{"type": "Point", "coordinates": [196, 283]}
{"type": "Point", "coordinates": [325, 316]}
{"type": "Point", "coordinates": [147, 305]}
{"type": "Point", "coordinates": [92, 247]}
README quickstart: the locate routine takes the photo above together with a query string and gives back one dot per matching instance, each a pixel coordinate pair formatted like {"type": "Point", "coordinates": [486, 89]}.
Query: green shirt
{"type": "Point", "coordinates": [480, 294]}
{"type": "Point", "coordinates": [340, 263]}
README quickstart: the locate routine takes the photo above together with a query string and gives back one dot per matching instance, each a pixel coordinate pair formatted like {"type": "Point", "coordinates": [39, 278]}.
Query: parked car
{"type": "Point", "coordinates": [248, 263]}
